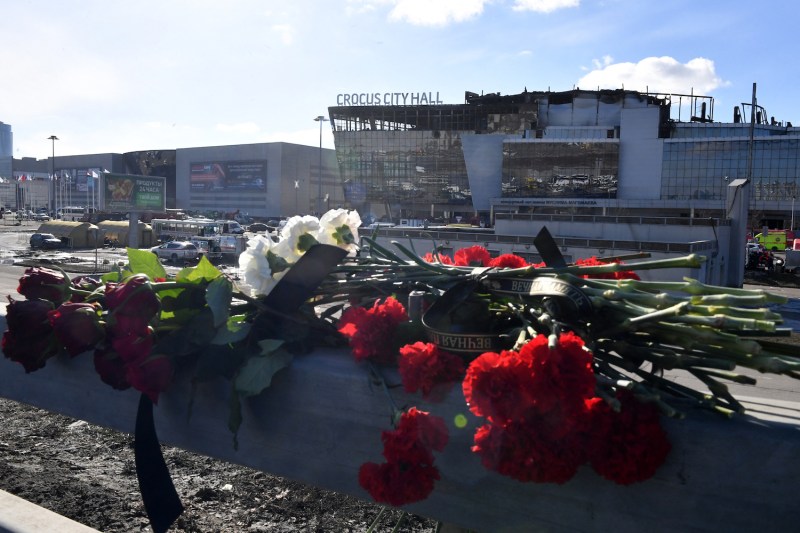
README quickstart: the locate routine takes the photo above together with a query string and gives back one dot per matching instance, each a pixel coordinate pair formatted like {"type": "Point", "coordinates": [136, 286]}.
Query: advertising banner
{"type": "Point", "coordinates": [131, 193]}
{"type": "Point", "coordinates": [228, 175]}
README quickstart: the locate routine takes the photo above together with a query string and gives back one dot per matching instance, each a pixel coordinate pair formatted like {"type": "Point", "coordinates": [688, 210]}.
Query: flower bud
{"type": "Point", "coordinates": [44, 283]}
{"type": "Point", "coordinates": [29, 339]}
{"type": "Point", "coordinates": [133, 299]}
{"type": "Point", "coordinates": [77, 326]}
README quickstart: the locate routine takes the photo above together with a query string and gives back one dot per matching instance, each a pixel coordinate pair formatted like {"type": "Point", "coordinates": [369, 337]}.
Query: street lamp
{"type": "Point", "coordinates": [320, 119]}
{"type": "Point", "coordinates": [792, 226]}
{"type": "Point", "coordinates": [52, 188]}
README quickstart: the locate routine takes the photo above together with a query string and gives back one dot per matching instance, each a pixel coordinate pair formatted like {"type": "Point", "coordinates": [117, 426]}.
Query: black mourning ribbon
{"type": "Point", "coordinates": [161, 500]}
{"type": "Point", "coordinates": [548, 249]}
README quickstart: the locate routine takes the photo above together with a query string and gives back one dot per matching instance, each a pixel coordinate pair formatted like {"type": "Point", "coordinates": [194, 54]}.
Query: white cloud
{"type": "Point", "coordinates": [544, 6]}
{"type": "Point", "coordinates": [656, 74]}
{"type": "Point", "coordinates": [286, 33]}
{"type": "Point", "coordinates": [436, 12]}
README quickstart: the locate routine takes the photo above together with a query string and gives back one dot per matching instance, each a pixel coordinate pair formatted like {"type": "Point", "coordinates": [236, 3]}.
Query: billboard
{"type": "Point", "coordinates": [124, 192]}
{"type": "Point", "coordinates": [218, 176]}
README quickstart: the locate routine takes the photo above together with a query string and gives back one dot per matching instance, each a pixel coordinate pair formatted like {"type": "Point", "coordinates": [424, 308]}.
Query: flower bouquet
{"type": "Point", "coordinates": [566, 364]}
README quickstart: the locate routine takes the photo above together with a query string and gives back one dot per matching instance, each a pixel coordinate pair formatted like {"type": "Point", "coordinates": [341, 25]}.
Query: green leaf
{"type": "Point", "coordinates": [111, 277]}
{"type": "Point", "coordinates": [204, 271]}
{"type": "Point", "coordinates": [235, 330]}
{"type": "Point", "coordinates": [218, 296]}
{"type": "Point", "coordinates": [256, 374]}
{"type": "Point", "coordinates": [145, 262]}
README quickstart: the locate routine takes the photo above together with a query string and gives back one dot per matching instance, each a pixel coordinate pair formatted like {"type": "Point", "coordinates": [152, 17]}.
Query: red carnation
{"type": "Point", "coordinates": [526, 452]}
{"type": "Point", "coordinates": [498, 386]}
{"type": "Point", "coordinates": [429, 430]}
{"type": "Point", "coordinates": [561, 375]}
{"type": "Point", "coordinates": [44, 283]}
{"type": "Point", "coordinates": [472, 256]}
{"type": "Point", "coordinates": [371, 331]}
{"type": "Point", "coordinates": [408, 475]}
{"type": "Point", "coordinates": [629, 446]}
{"type": "Point", "coordinates": [508, 261]}
{"type": "Point", "coordinates": [437, 258]}
{"type": "Point", "coordinates": [423, 367]}
{"type": "Point", "coordinates": [594, 261]}
{"type": "Point", "coordinates": [397, 483]}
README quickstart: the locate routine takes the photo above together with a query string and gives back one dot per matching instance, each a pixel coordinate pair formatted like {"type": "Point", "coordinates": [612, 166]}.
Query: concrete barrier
{"type": "Point", "coordinates": [321, 419]}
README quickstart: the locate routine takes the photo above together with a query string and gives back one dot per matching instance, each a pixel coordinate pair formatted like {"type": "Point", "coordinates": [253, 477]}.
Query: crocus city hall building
{"type": "Point", "coordinates": [409, 155]}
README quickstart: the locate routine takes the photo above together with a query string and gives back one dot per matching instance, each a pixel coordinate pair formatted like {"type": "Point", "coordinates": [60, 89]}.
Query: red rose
{"type": "Point", "coordinates": [44, 283]}
{"type": "Point", "coordinates": [134, 298]}
{"type": "Point", "coordinates": [29, 340]}
{"type": "Point", "coordinates": [77, 326]}
{"type": "Point", "coordinates": [111, 369]}
{"type": "Point", "coordinates": [508, 261]}
{"type": "Point", "coordinates": [133, 348]}
{"type": "Point", "coordinates": [151, 376]}
{"type": "Point", "coordinates": [424, 367]}
{"type": "Point", "coordinates": [472, 256]}
{"type": "Point", "coordinates": [84, 283]}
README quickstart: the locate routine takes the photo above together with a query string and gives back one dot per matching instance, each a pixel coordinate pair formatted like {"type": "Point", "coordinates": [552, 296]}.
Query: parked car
{"type": "Point", "coordinates": [177, 251]}
{"type": "Point", "coordinates": [45, 241]}
{"type": "Point", "coordinates": [41, 217]}
{"type": "Point", "coordinates": [258, 227]}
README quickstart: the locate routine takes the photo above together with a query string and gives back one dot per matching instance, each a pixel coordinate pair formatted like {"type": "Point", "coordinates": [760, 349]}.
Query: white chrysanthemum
{"type": "Point", "coordinates": [296, 237]}
{"type": "Point", "coordinates": [339, 227]}
{"type": "Point", "coordinates": [255, 265]}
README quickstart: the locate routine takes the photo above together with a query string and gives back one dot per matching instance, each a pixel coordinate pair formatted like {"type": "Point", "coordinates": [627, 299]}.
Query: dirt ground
{"type": "Point", "coordinates": [87, 473]}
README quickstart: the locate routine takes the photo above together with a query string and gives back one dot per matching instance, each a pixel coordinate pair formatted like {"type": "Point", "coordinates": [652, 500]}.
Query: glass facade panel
{"type": "Point", "coordinates": [409, 170]}
{"type": "Point", "coordinates": [712, 164]}
{"type": "Point", "coordinates": [560, 169]}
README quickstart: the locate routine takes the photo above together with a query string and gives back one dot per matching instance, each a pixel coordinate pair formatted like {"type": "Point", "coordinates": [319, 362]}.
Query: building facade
{"type": "Point", "coordinates": [574, 152]}
{"type": "Point", "coordinates": [265, 180]}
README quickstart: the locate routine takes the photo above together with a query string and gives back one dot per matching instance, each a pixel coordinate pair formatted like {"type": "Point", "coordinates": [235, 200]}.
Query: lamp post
{"type": "Point", "coordinates": [320, 119]}
{"type": "Point", "coordinates": [52, 188]}
{"type": "Point", "coordinates": [792, 225]}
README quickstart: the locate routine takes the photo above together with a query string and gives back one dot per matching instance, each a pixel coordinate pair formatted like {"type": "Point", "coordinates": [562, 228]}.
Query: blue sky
{"type": "Point", "coordinates": [107, 76]}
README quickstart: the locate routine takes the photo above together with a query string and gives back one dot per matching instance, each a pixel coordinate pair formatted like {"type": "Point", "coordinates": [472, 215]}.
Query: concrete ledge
{"type": "Point", "coordinates": [21, 516]}
{"type": "Point", "coordinates": [322, 419]}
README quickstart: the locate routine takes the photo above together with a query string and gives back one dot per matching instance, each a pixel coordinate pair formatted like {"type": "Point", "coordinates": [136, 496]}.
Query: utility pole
{"type": "Point", "coordinates": [52, 188]}
{"type": "Point", "coordinates": [320, 119]}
